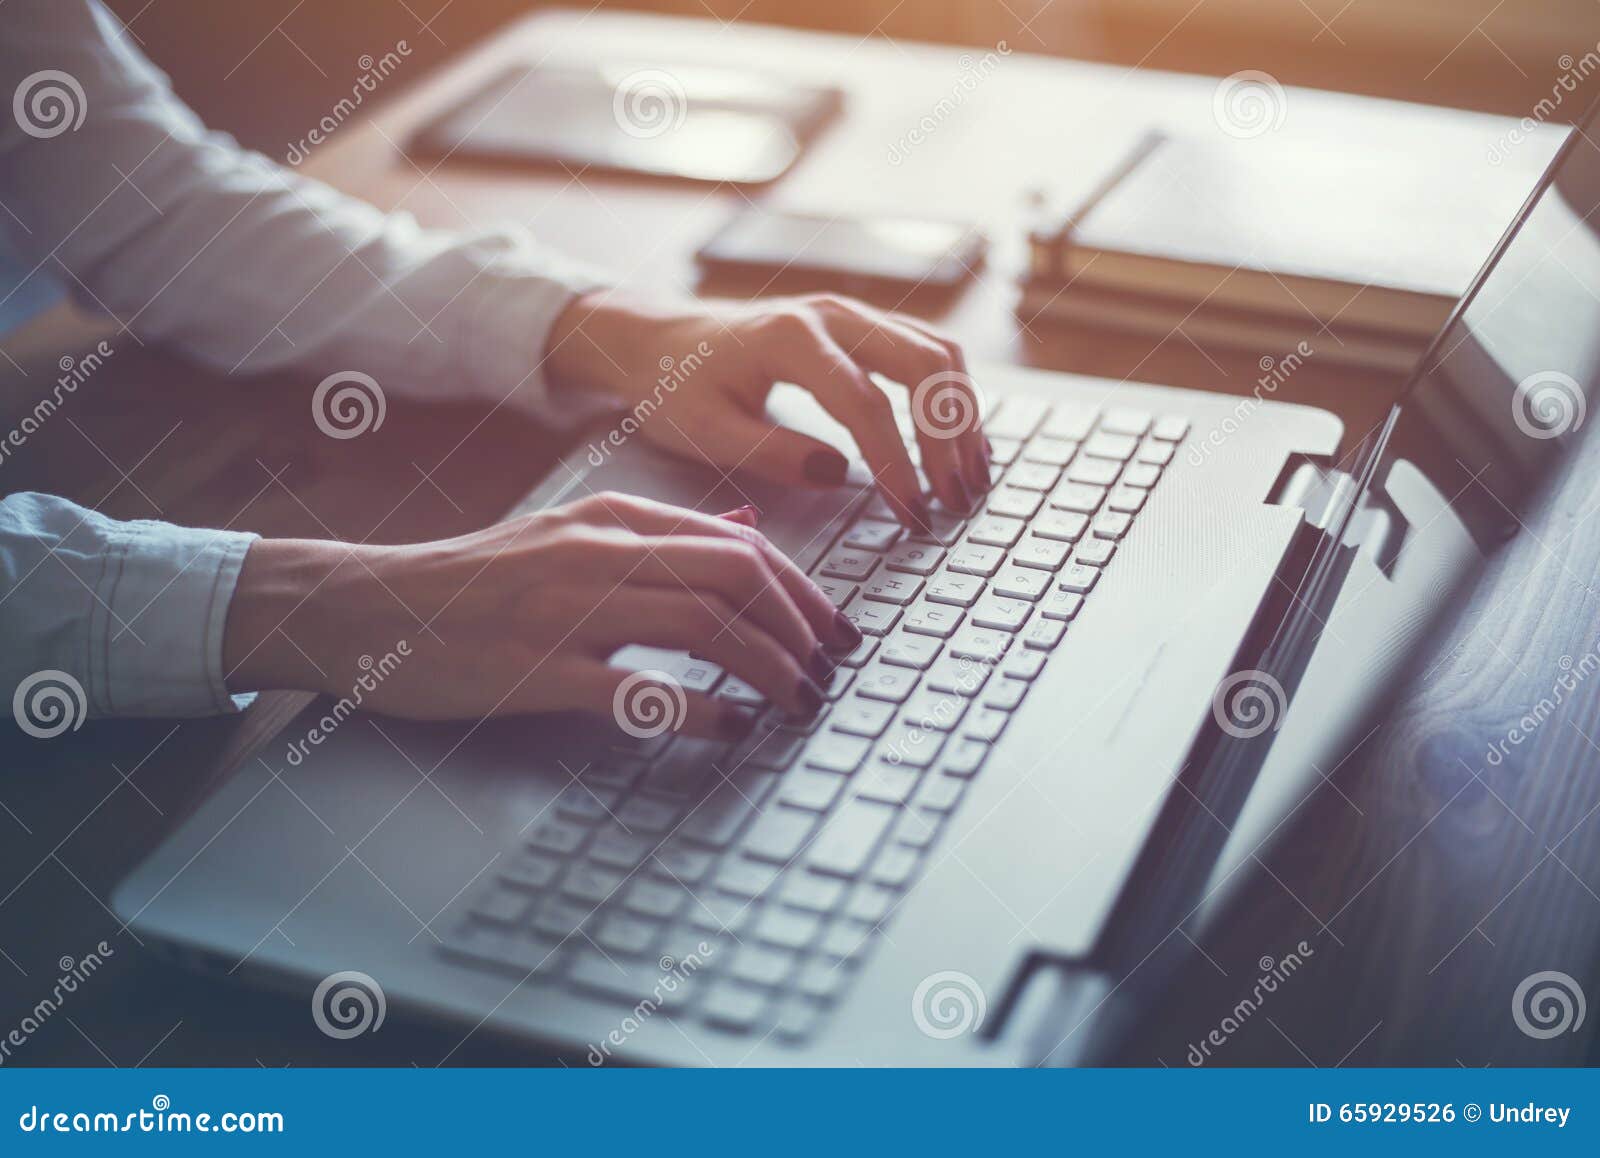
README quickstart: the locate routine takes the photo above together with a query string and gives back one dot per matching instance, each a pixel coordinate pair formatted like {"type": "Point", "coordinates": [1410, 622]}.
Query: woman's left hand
{"type": "Point", "coordinates": [614, 347]}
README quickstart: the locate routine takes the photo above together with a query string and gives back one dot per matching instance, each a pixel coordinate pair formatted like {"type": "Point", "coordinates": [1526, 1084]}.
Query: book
{"type": "Point", "coordinates": [1266, 336]}
{"type": "Point", "coordinates": [1361, 239]}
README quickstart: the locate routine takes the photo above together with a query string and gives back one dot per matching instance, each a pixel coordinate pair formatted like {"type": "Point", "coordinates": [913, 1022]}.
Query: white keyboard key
{"type": "Point", "coordinates": [1077, 496]}
{"type": "Point", "coordinates": [1112, 524]}
{"type": "Point", "coordinates": [1060, 604]}
{"type": "Point", "coordinates": [913, 651]}
{"type": "Point", "coordinates": [1021, 583]}
{"type": "Point", "coordinates": [848, 840]}
{"type": "Point", "coordinates": [861, 717]}
{"type": "Point", "coordinates": [1005, 694]}
{"type": "Point", "coordinates": [871, 618]}
{"type": "Point", "coordinates": [1095, 471]}
{"type": "Point", "coordinates": [1050, 451]}
{"type": "Point", "coordinates": [933, 711]}
{"type": "Point", "coordinates": [996, 531]}
{"type": "Point", "coordinates": [1043, 554]}
{"type": "Point", "coordinates": [957, 677]}
{"type": "Point", "coordinates": [979, 643]}
{"type": "Point", "coordinates": [1070, 420]}
{"type": "Point", "coordinates": [1094, 552]}
{"type": "Point", "coordinates": [915, 558]}
{"type": "Point", "coordinates": [1022, 664]}
{"type": "Point", "coordinates": [1125, 420]}
{"type": "Point", "coordinates": [1116, 446]}
{"type": "Point", "coordinates": [872, 535]}
{"type": "Point", "coordinates": [1157, 453]}
{"type": "Point", "coordinates": [1032, 476]}
{"type": "Point", "coordinates": [975, 559]}
{"type": "Point", "coordinates": [1078, 578]}
{"type": "Point", "coordinates": [1014, 502]}
{"type": "Point", "coordinates": [1063, 526]}
{"type": "Point", "coordinates": [1170, 429]}
{"type": "Point", "coordinates": [1126, 499]}
{"type": "Point", "coordinates": [958, 590]}
{"type": "Point", "coordinates": [1000, 613]}
{"type": "Point", "coordinates": [889, 684]}
{"type": "Point", "coordinates": [1016, 417]}
{"type": "Point", "coordinates": [847, 563]}
{"type": "Point", "coordinates": [932, 619]}
{"type": "Point", "coordinates": [1044, 634]}
{"type": "Point", "coordinates": [1141, 474]}
{"type": "Point", "coordinates": [892, 588]}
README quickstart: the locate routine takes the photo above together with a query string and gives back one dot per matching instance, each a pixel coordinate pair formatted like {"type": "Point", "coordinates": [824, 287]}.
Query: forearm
{"type": "Point", "coordinates": [245, 265]}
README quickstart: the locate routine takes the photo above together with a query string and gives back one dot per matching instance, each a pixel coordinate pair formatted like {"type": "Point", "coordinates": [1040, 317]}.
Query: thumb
{"type": "Point", "coordinates": [774, 452]}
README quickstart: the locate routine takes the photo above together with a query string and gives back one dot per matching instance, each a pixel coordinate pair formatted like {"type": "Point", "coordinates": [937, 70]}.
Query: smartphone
{"type": "Point", "coordinates": [848, 253]}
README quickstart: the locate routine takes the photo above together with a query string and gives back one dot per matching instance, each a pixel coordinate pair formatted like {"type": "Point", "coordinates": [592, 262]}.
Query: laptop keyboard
{"type": "Point", "coordinates": [756, 875]}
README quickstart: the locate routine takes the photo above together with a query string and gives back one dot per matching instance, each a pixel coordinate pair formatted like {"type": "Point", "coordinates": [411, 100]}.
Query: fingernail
{"type": "Point", "coordinates": [977, 473]}
{"type": "Point", "coordinates": [849, 634]}
{"type": "Point", "coordinates": [826, 468]}
{"type": "Point", "coordinates": [733, 724]}
{"type": "Point", "coordinates": [820, 665]}
{"type": "Point", "coordinates": [749, 514]}
{"type": "Point", "coordinates": [808, 696]}
{"type": "Point", "coordinates": [963, 491]}
{"type": "Point", "coordinates": [921, 515]}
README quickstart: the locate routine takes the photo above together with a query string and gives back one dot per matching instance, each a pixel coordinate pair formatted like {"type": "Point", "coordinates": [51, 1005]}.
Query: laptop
{"type": "Point", "coordinates": [1077, 711]}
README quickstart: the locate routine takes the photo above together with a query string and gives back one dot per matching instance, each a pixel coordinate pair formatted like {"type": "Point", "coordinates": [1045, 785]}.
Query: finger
{"type": "Point", "coordinates": [740, 574]}
{"type": "Point", "coordinates": [643, 706]}
{"type": "Point", "coordinates": [709, 626]}
{"type": "Point", "coordinates": [943, 405]}
{"type": "Point", "coordinates": [973, 447]}
{"type": "Point", "coordinates": [748, 515]}
{"type": "Point", "coordinates": [816, 362]}
{"type": "Point", "coordinates": [649, 517]}
{"type": "Point", "coordinates": [734, 438]}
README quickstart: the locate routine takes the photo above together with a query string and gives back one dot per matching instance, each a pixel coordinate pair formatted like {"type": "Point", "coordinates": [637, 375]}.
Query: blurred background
{"type": "Point", "coordinates": [269, 66]}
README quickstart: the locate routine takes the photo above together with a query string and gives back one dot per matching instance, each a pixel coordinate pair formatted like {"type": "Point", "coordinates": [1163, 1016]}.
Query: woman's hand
{"type": "Point", "coordinates": [608, 345]}
{"type": "Point", "coordinates": [522, 616]}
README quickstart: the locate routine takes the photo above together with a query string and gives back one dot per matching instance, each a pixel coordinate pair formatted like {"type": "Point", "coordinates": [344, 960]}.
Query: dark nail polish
{"type": "Point", "coordinates": [820, 665]}
{"type": "Point", "coordinates": [826, 468]}
{"type": "Point", "coordinates": [733, 724]}
{"type": "Point", "coordinates": [977, 473]}
{"type": "Point", "coordinates": [809, 697]}
{"type": "Point", "coordinates": [848, 633]}
{"type": "Point", "coordinates": [964, 494]}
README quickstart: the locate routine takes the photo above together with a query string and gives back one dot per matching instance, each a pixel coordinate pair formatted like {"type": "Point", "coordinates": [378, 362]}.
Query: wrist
{"type": "Point", "coordinates": [284, 618]}
{"type": "Point", "coordinates": [593, 345]}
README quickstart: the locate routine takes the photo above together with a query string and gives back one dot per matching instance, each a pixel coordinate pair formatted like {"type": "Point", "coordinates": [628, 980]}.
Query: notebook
{"type": "Point", "coordinates": [1379, 241]}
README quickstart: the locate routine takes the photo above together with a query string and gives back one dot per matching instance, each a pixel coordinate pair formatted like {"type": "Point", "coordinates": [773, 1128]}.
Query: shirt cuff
{"type": "Point", "coordinates": [157, 621]}
{"type": "Point", "coordinates": [513, 306]}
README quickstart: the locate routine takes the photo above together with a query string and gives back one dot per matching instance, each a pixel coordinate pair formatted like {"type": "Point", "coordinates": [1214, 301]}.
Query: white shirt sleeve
{"type": "Point", "coordinates": [185, 238]}
{"type": "Point", "coordinates": [127, 615]}
{"type": "Point", "coordinates": [109, 182]}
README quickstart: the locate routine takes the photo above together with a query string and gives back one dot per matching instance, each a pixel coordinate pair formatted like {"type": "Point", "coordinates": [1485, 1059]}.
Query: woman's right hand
{"type": "Point", "coordinates": [522, 616]}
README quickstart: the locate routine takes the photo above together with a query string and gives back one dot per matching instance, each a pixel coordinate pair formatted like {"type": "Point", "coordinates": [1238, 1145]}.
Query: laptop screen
{"type": "Point", "coordinates": [1509, 385]}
